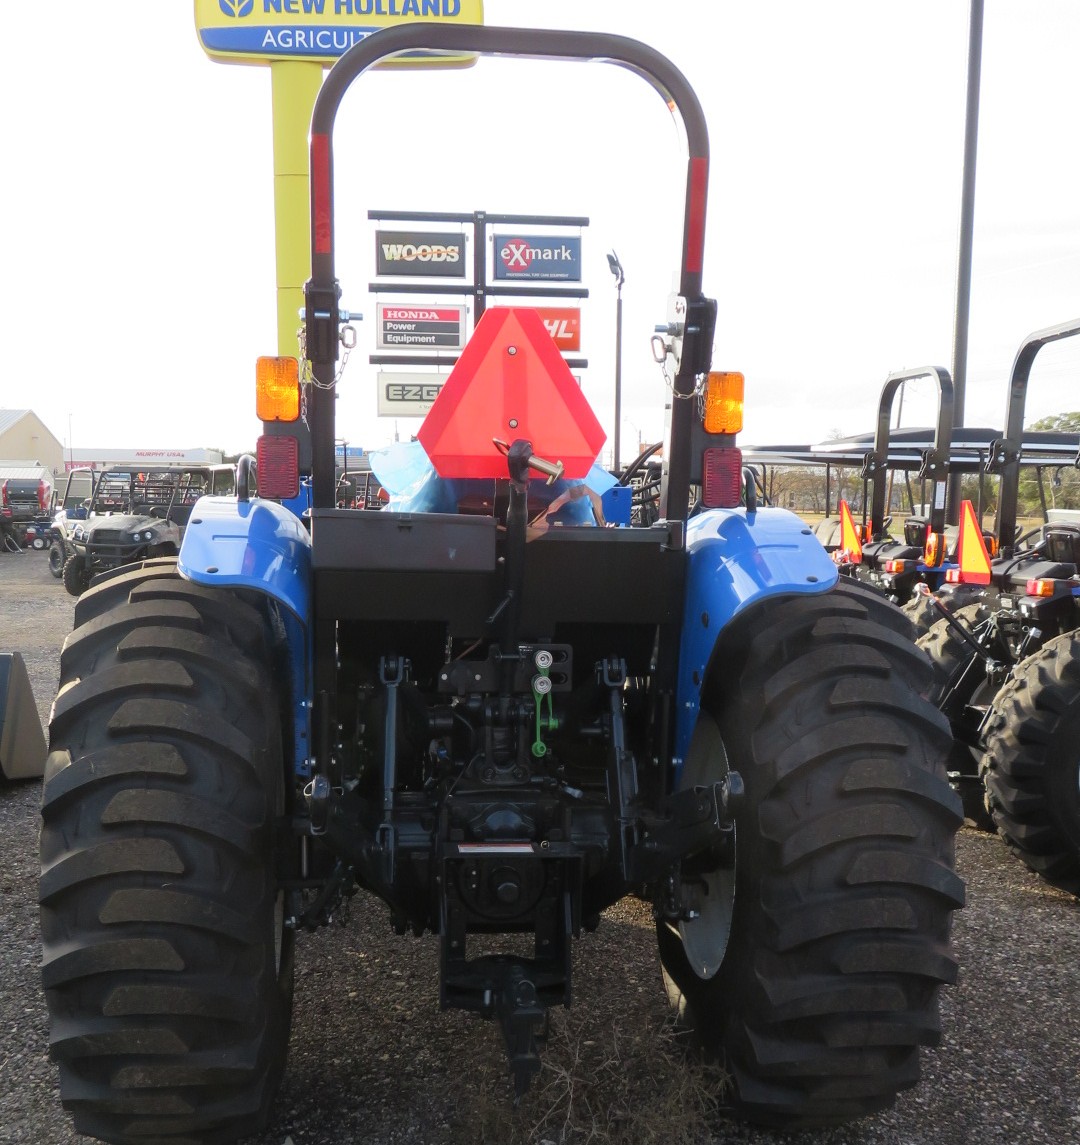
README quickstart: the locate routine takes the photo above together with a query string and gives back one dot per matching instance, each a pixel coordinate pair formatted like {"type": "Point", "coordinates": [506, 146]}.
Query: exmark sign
{"type": "Point", "coordinates": [434, 327]}
{"type": "Point", "coordinates": [419, 254]}
{"type": "Point", "coordinates": [262, 31]}
{"type": "Point", "coordinates": [408, 395]}
{"type": "Point", "coordinates": [533, 257]}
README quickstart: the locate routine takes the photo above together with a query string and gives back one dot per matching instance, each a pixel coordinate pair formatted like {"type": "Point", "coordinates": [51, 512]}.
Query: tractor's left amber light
{"type": "Point", "coordinates": [277, 389]}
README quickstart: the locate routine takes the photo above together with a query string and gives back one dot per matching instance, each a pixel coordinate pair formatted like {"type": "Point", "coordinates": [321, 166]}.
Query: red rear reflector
{"type": "Point", "coordinates": [320, 181]}
{"type": "Point", "coordinates": [1039, 588]}
{"type": "Point", "coordinates": [721, 478]}
{"type": "Point", "coordinates": [278, 461]}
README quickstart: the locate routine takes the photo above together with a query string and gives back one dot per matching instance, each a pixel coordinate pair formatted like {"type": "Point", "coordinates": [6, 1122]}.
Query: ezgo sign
{"type": "Point", "coordinates": [538, 257]}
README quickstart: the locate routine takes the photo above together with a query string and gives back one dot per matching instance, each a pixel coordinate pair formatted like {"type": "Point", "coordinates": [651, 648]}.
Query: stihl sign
{"type": "Point", "coordinates": [538, 257]}
{"type": "Point", "coordinates": [563, 324]}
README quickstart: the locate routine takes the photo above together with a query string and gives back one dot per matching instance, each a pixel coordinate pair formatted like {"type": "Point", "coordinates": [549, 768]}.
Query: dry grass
{"type": "Point", "coordinates": [628, 1085]}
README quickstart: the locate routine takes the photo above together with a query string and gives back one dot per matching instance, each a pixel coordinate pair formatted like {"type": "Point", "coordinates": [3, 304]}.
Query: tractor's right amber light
{"type": "Point", "coordinates": [724, 403]}
{"type": "Point", "coordinates": [277, 389]}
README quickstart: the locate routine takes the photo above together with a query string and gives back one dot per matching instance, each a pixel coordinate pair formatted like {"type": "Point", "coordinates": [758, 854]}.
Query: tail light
{"type": "Point", "coordinates": [278, 459]}
{"type": "Point", "coordinates": [1039, 588]}
{"type": "Point", "coordinates": [42, 496]}
{"type": "Point", "coordinates": [897, 566]}
{"type": "Point", "coordinates": [277, 389]}
{"type": "Point", "coordinates": [3, 494]}
{"type": "Point", "coordinates": [721, 478]}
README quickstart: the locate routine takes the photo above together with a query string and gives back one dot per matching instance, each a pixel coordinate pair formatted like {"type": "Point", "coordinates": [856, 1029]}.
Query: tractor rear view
{"type": "Point", "coordinates": [495, 726]}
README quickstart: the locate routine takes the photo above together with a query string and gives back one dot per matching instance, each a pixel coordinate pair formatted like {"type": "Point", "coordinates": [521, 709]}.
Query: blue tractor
{"type": "Point", "coordinates": [495, 724]}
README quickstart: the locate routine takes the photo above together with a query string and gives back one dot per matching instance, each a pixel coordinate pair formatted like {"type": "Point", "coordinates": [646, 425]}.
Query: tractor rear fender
{"type": "Point", "coordinates": [22, 742]}
{"type": "Point", "coordinates": [261, 546]}
{"type": "Point", "coordinates": [735, 560]}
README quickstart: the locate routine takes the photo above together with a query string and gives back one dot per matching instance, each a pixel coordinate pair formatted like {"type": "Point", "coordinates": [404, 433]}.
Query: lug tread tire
{"type": "Point", "coordinates": [921, 612]}
{"type": "Point", "coordinates": [74, 575]}
{"type": "Point", "coordinates": [1031, 762]}
{"type": "Point", "coordinates": [168, 990]}
{"type": "Point", "coordinates": [845, 876]}
{"type": "Point", "coordinates": [947, 653]}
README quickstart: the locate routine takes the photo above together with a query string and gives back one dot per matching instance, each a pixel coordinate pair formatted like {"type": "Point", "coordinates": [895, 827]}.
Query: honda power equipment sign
{"type": "Point", "coordinates": [420, 254]}
{"type": "Point", "coordinates": [538, 257]}
{"type": "Point", "coordinates": [430, 327]}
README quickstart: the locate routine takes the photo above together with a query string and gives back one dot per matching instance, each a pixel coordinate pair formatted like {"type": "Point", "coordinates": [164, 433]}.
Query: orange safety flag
{"type": "Point", "coordinates": [850, 545]}
{"type": "Point", "coordinates": [971, 551]}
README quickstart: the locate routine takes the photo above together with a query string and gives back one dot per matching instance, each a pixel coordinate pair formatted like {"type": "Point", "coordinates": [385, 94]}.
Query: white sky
{"type": "Point", "coordinates": [140, 288]}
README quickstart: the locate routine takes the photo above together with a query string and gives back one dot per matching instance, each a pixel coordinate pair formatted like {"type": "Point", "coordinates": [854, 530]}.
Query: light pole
{"type": "Point", "coordinates": [616, 269]}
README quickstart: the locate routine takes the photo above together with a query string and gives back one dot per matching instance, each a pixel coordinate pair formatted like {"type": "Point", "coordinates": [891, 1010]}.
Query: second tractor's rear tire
{"type": "Point", "coordinates": [816, 972]}
{"type": "Point", "coordinates": [921, 611]}
{"type": "Point", "coordinates": [167, 967]}
{"type": "Point", "coordinates": [1032, 762]}
{"type": "Point", "coordinates": [948, 653]}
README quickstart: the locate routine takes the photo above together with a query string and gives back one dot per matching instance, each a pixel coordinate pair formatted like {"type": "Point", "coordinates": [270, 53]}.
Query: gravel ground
{"type": "Point", "coordinates": [372, 1058]}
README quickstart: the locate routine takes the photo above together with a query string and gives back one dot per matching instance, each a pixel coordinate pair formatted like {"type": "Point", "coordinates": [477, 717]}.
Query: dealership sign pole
{"type": "Point", "coordinates": [298, 40]}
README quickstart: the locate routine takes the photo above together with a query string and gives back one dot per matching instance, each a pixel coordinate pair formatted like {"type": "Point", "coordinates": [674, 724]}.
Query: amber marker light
{"type": "Point", "coordinates": [724, 403]}
{"type": "Point", "coordinates": [934, 550]}
{"type": "Point", "coordinates": [277, 389]}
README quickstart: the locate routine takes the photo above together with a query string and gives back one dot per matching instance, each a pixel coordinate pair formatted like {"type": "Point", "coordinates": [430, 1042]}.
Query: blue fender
{"type": "Point", "coordinates": [736, 559]}
{"type": "Point", "coordinates": [263, 546]}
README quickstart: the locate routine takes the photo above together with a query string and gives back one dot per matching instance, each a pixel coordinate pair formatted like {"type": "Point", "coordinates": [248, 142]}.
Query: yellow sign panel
{"type": "Point", "coordinates": [263, 31]}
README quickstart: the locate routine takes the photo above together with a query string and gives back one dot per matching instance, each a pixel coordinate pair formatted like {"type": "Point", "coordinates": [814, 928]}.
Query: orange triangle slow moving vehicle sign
{"type": "Point", "coordinates": [850, 545]}
{"type": "Point", "coordinates": [510, 382]}
{"type": "Point", "coordinates": [973, 558]}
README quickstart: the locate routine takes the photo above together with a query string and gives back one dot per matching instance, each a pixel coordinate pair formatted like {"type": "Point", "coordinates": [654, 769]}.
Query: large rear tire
{"type": "Point", "coordinates": [167, 967]}
{"type": "Point", "coordinates": [921, 611]}
{"type": "Point", "coordinates": [948, 653]}
{"type": "Point", "coordinates": [829, 945]}
{"type": "Point", "coordinates": [1032, 762]}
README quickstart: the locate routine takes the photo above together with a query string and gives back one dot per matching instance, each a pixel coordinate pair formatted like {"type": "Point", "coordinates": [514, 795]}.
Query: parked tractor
{"type": "Point", "coordinates": [1003, 656]}
{"type": "Point", "coordinates": [496, 726]}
